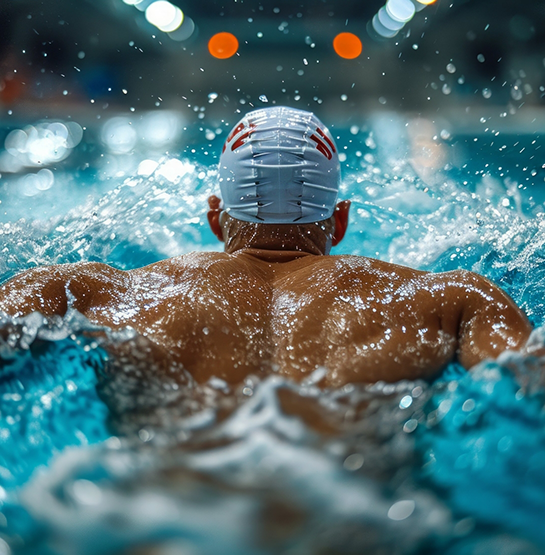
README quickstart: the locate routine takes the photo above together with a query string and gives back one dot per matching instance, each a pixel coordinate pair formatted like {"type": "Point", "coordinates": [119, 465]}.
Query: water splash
{"type": "Point", "coordinates": [277, 465]}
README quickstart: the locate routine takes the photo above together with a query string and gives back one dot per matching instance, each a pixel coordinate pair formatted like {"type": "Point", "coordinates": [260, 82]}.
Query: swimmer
{"type": "Point", "coordinates": [275, 300]}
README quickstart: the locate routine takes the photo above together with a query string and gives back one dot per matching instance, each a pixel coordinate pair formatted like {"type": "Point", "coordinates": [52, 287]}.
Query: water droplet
{"type": "Point", "coordinates": [445, 135]}
{"type": "Point", "coordinates": [344, 97]}
{"type": "Point", "coordinates": [263, 98]}
{"type": "Point", "coordinates": [481, 58]}
{"type": "Point", "coordinates": [446, 89]}
{"type": "Point", "coordinates": [451, 68]}
{"type": "Point", "coordinates": [487, 93]}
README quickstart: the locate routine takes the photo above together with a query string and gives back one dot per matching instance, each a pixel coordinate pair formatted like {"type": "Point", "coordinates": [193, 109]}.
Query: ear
{"type": "Point", "coordinates": [214, 213]}
{"type": "Point", "coordinates": [341, 221]}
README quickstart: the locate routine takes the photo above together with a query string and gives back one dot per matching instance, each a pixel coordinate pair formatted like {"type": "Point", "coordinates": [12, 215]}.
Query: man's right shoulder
{"type": "Point", "coordinates": [189, 261]}
{"type": "Point", "coordinates": [64, 272]}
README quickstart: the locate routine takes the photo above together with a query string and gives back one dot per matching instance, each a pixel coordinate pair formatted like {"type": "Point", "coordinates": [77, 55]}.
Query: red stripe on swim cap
{"type": "Point", "coordinates": [240, 140]}
{"type": "Point", "coordinates": [329, 141]}
{"type": "Point", "coordinates": [321, 146]}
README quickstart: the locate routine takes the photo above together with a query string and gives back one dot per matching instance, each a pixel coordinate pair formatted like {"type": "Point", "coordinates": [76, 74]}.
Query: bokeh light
{"type": "Point", "coordinates": [388, 22]}
{"type": "Point", "coordinates": [347, 45]}
{"type": "Point", "coordinates": [39, 145]}
{"type": "Point", "coordinates": [223, 45]}
{"type": "Point", "coordinates": [165, 16]}
{"type": "Point", "coordinates": [426, 2]}
{"type": "Point", "coordinates": [400, 10]}
{"type": "Point", "coordinates": [186, 29]}
{"type": "Point", "coordinates": [152, 131]}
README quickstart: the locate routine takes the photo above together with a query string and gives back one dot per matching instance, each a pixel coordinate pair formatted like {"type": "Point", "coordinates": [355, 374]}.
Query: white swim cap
{"type": "Point", "coordinates": [279, 165]}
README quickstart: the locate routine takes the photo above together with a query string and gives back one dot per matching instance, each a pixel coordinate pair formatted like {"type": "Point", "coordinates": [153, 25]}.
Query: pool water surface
{"type": "Point", "coordinates": [92, 462]}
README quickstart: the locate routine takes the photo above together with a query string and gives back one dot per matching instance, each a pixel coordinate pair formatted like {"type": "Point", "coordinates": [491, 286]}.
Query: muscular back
{"type": "Point", "coordinates": [229, 315]}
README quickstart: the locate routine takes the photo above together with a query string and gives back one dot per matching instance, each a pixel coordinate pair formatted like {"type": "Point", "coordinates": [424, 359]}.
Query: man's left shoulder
{"type": "Point", "coordinates": [374, 265]}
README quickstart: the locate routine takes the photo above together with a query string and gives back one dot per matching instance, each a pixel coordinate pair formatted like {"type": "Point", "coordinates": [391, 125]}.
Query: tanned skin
{"type": "Point", "coordinates": [275, 300]}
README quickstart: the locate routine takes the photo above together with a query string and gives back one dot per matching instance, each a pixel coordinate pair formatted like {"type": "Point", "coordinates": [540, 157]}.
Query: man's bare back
{"type": "Point", "coordinates": [275, 300]}
{"type": "Point", "coordinates": [254, 311]}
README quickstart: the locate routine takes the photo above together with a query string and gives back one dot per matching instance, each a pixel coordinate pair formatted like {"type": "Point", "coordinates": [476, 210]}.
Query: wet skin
{"type": "Point", "coordinates": [289, 309]}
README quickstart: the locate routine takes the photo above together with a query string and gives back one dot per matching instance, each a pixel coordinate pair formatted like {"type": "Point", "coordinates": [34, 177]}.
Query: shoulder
{"type": "Point", "coordinates": [63, 272]}
{"type": "Point", "coordinates": [359, 264]}
{"type": "Point", "coordinates": [179, 266]}
{"type": "Point", "coordinates": [464, 279]}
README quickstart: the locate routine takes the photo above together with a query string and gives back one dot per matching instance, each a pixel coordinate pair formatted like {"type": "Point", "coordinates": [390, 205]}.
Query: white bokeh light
{"type": "Point", "coordinates": [381, 29]}
{"type": "Point", "coordinates": [119, 135]}
{"type": "Point", "coordinates": [388, 22]}
{"type": "Point", "coordinates": [39, 145]}
{"type": "Point", "coordinates": [400, 10]}
{"type": "Point", "coordinates": [165, 16]}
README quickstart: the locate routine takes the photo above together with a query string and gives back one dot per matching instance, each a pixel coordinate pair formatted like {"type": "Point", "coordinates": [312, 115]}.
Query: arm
{"type": "Point", "coordinates": [47, 290]}
{"type": "Point", "coordinates": [487, 321]}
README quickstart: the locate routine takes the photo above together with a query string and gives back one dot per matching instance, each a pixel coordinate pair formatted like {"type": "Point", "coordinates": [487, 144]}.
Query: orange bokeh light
{"type": "Point", "coordinates": [223, 45]}
{"type": "Point", "coordinates": [347, 45]}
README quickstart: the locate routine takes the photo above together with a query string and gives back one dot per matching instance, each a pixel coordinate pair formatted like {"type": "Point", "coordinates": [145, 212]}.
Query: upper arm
{"type": "Point", "coordinates": [487, 320]}
{"type": "Point", "coordinates": [47, 290]}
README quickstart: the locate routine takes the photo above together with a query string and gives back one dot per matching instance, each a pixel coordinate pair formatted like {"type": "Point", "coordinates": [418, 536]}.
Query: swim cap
{"type": "Point", "coordinates": [279, 165]}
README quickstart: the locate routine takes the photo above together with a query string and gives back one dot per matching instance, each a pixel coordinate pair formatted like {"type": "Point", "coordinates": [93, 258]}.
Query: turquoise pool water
{"type": "Point", "coordinates": [97, 463]}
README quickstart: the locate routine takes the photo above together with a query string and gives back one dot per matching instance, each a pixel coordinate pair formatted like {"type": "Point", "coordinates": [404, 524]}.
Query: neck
{"type": "Point", "coordinates": [268, 255]}
{"type": "Point", "coordinates": [295, 240]}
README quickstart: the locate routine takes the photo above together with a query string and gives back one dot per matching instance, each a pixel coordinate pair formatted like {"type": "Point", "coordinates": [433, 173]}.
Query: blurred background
{"type": "Point", "coordinates": [66, 56]}
{"type": "Point", "coordinates": [106, 77]}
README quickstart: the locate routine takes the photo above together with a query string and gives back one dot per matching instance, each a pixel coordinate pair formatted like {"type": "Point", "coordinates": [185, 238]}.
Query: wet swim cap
{"type": "Point", "coordinates": [279, 165]}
